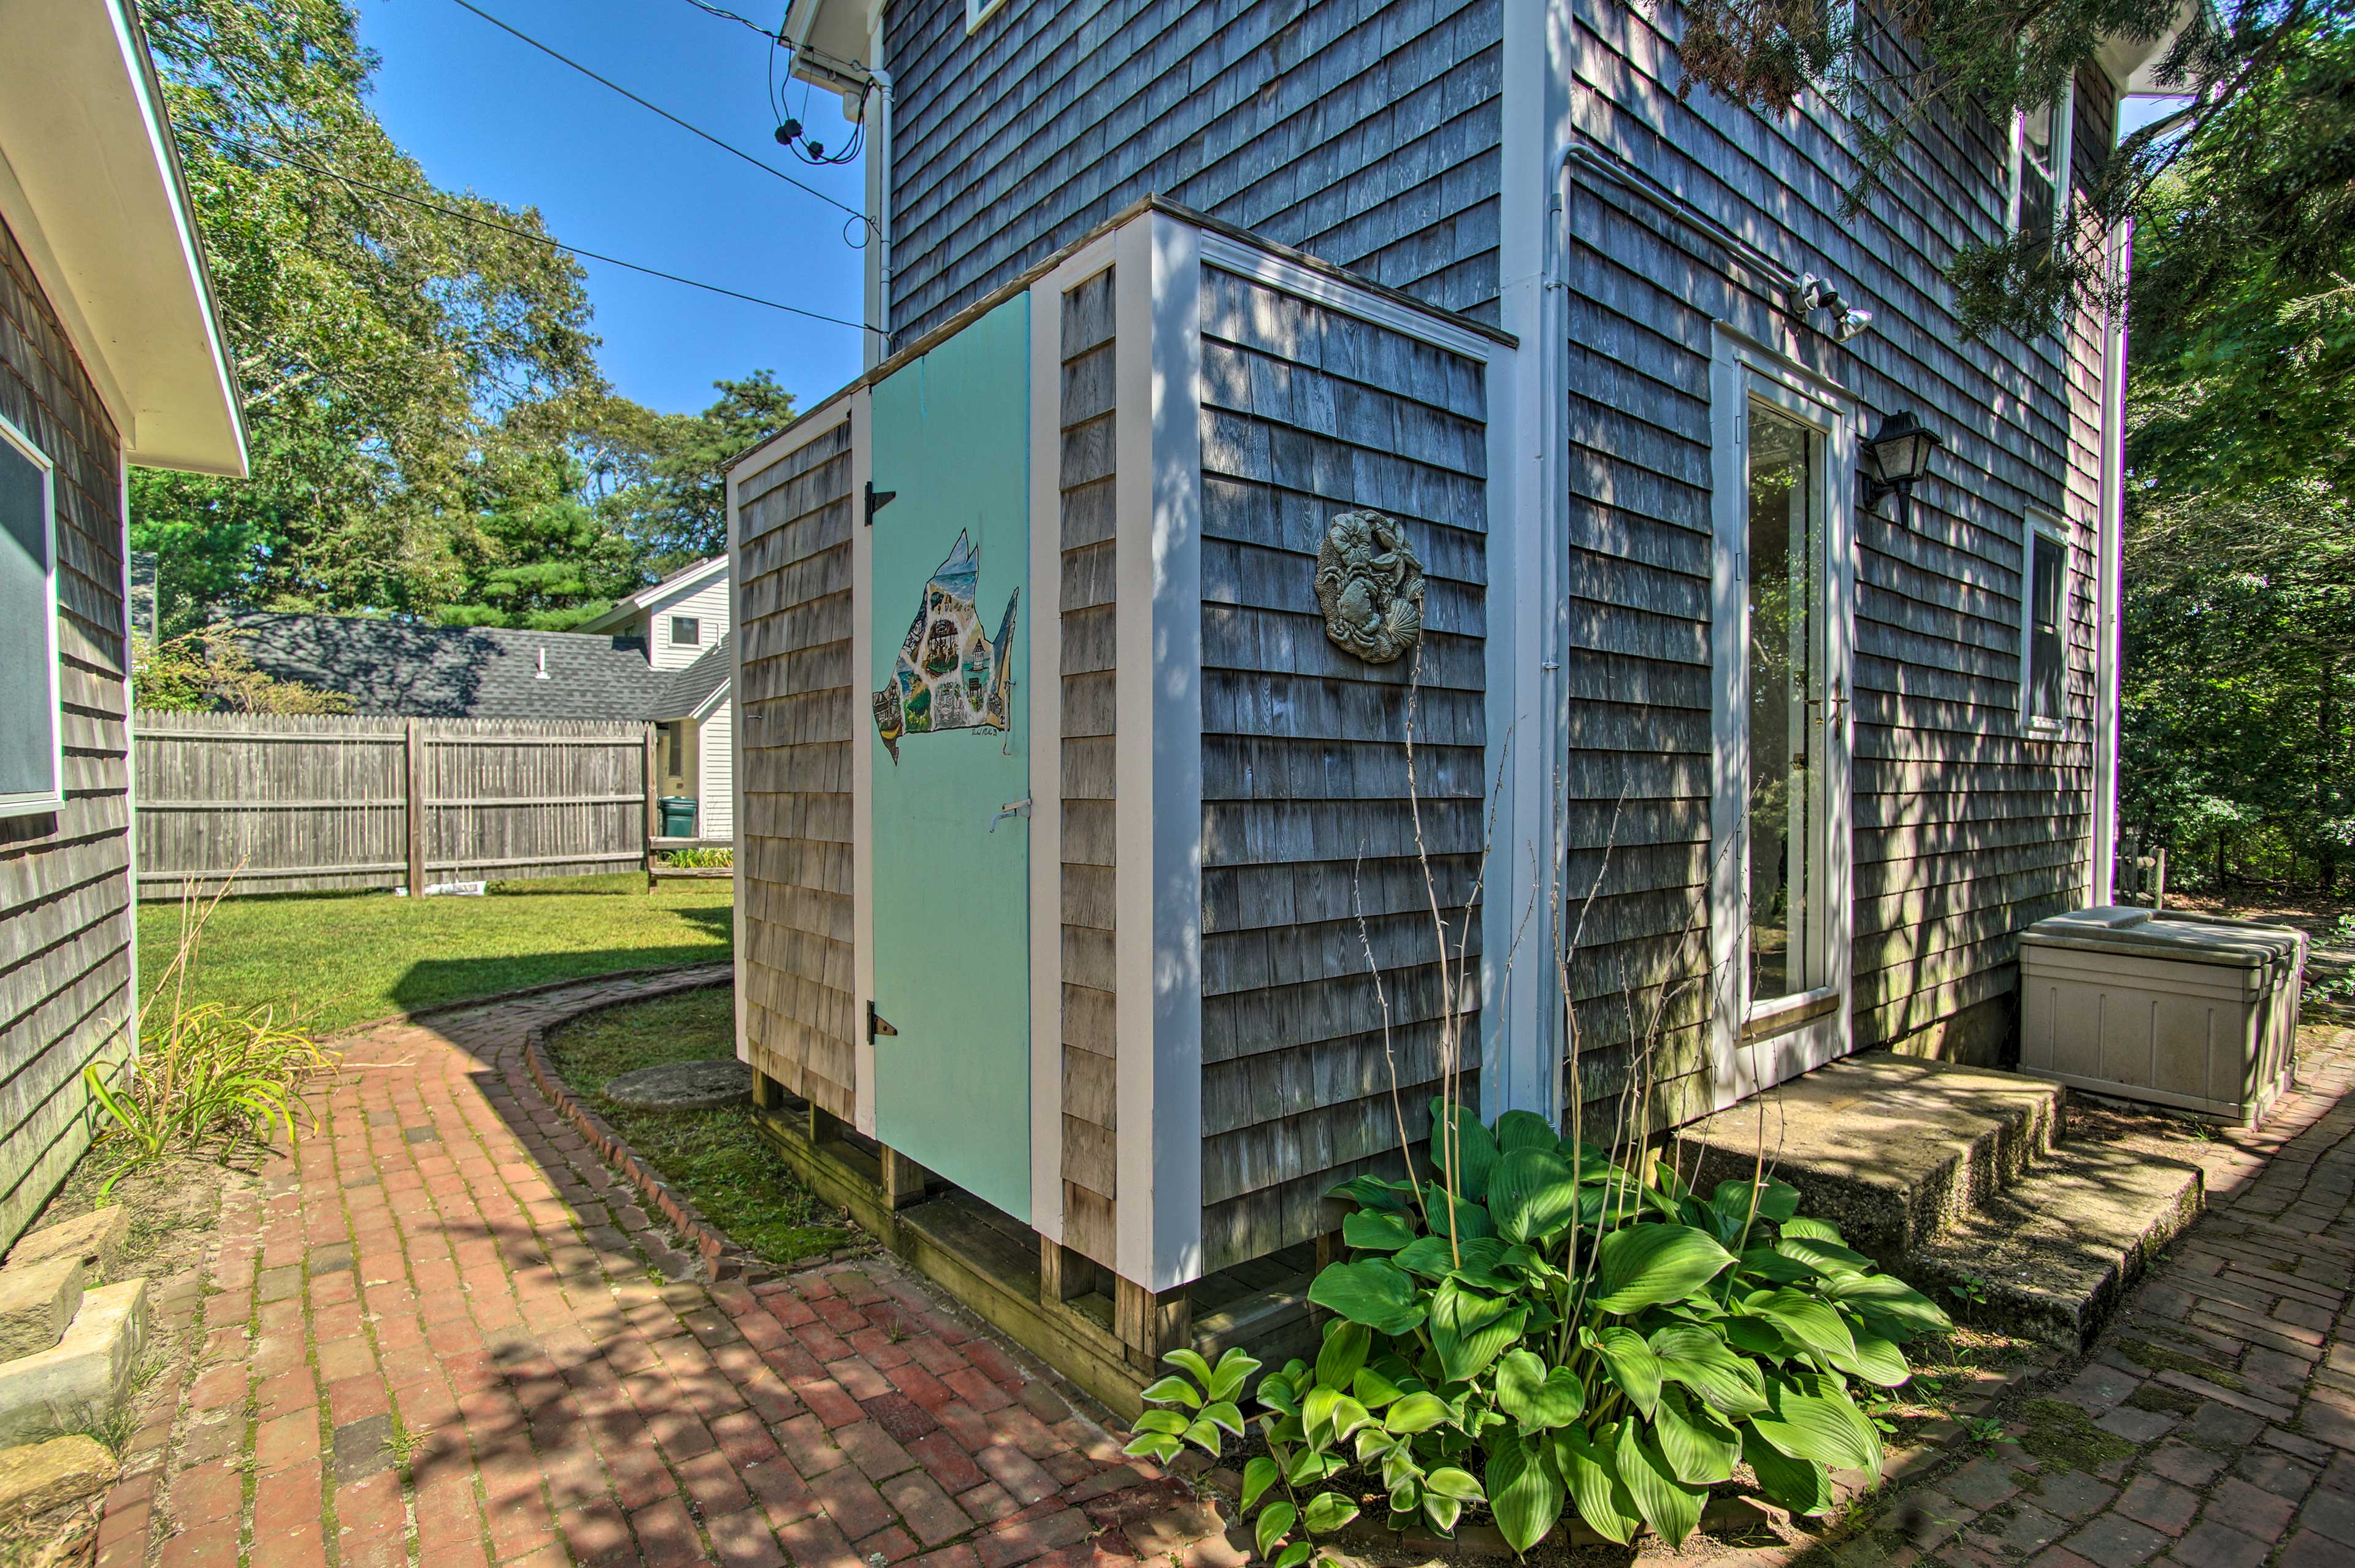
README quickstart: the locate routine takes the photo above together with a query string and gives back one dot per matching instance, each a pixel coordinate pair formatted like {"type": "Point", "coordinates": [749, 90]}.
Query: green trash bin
{"type": "Point", "coordinates": [678, 817]}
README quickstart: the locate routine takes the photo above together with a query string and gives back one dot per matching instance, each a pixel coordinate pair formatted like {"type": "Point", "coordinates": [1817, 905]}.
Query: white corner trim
{"type": "Point", "coordinates": [736, 771]}
{"type": "Point", "coordinates": [1044, 714]}
{"type": "Point", "coordinates": [1230, 254]}
{"type": "Point", "coordinates": [857, 410]}
{"type": "Point", "coordinates": [32, 802]}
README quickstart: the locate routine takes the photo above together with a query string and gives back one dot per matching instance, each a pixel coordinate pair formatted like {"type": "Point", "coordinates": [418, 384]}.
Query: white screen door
{"type": "Point", "coordinates": [1781, 647]}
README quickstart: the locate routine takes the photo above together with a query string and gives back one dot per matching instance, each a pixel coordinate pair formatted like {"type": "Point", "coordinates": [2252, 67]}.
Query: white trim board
{"type": "Point", "coordinates": [33, 802]}
{"type": "Point", "coordinates": [858, 410]}
{"type": "Point", "coordinates": [1230, 254]}
{"type": "Point", "coordinates": [2036, 523]}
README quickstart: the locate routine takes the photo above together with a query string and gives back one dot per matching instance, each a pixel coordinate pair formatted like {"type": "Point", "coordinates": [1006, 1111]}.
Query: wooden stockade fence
{"type": "Point", "coordinates": [306, 804]}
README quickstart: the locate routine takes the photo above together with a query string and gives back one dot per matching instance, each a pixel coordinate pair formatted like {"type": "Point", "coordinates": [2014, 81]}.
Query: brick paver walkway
{"type": "Point", "coordinates": [436, 1339]}
{"type": "Point", "coordinates": [2214, 1426]}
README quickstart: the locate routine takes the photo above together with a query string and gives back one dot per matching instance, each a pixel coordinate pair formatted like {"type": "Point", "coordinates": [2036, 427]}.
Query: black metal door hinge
{"type": "Point", "coordinates": [876, 1025]}
{"type": "Point", "coordinates": [877, 500]}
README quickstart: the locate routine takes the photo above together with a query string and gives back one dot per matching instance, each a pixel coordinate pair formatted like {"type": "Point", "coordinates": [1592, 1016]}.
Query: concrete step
{"type": "Point", "coordinates": [85, 1375]}
{"type": "Point", "coordinates": [2055, 1252]}
{"type": "Point", "coordinates": [1892, 1149]}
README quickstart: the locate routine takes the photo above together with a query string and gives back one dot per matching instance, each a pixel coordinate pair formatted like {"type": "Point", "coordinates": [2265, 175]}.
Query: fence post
{"type": "Point", "coordinates": [416, 737]}
{"type": "Point", "coordinates": [653, 810]}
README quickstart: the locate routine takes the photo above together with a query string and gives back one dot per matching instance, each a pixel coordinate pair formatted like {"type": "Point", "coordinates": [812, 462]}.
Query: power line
{"type": "Point", "coordinates": [553, 243]}
{"type": "Point", "coordinates": [658, 109]}
{"type": "Point", "coordinates": [727, 16]}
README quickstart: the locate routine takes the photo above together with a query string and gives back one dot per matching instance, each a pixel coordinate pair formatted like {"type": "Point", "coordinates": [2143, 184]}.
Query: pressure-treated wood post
{"type": "Point", "coordinates": [1064, 1275]}
{"type": "Point", "coordinates": [415, 735]}
{"type": "Point", "coordinates": [1151, 1323]}
{"type": "Point", "coordinates": [2158, 882]}
{"type": "Point", "coordinates": [904, 1179]}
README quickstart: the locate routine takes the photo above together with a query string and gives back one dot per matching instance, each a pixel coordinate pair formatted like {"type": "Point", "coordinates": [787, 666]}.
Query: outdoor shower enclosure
{"type": "Point", "coordinates": [1072, 823]}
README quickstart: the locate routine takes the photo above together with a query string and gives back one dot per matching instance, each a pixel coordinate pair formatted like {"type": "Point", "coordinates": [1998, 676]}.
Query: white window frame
{"type": "Point", "coordinates": [2064, 125]}
{"type": "Point", "coordinates": [976, 12]}
{"type": "Point", "coordinates": [2038, 524]}
{"type": "Point", "coordinates": [693, 623]}
{"type": "Point", "coordinates": [34, 803]}
{"type": "Point", "coordinates": [1757, 1045]}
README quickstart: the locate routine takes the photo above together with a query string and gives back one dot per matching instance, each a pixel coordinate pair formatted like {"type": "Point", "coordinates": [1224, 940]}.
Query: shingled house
{"type": "Point", "coordinates": [1164, 292]}
{"type": "Point", "coordinates": [661, 656]}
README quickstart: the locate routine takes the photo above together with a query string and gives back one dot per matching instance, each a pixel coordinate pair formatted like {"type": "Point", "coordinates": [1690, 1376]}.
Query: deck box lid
{"type": "Point", "coordinates": [2115, 928]}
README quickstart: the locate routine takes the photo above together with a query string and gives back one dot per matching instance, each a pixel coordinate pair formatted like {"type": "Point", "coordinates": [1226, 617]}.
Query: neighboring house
{"type": "Point", "coordinates": [675, 678]}
{"type": "Point", "coordinates": [110, 354]}
{"type": "Point", "coordinates": [1805, 757]}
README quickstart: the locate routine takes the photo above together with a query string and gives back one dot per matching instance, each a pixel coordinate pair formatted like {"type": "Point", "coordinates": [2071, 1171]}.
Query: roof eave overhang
{"type": "Point", "coordinates": [93, 189]}
{"type": "Point", "coordinates": [650, 600]}
{"type": "Point", "coordinates": [831, 45]}
{"type": "Point", "coordinates": [2131, 64]}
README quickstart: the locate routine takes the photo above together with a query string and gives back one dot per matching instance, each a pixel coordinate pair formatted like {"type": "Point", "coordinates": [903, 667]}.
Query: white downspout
{"type": "Point", "coordinates": [2109, 583]}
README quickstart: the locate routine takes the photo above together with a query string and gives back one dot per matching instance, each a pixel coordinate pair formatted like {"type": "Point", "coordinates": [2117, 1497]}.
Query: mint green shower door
{"type": "Point", "coordinates": [948, 725]}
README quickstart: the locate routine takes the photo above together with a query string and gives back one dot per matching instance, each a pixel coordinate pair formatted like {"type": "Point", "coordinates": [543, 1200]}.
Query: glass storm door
{"type": "Point", "coordinates": [944, 713]}
{"type": "Point", "coordinates": [1780, 884]}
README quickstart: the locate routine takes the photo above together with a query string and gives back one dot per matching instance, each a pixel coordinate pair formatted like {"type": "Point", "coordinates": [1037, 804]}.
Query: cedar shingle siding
{"type": "Point", "coordinates": [1364, 132]}
{"type": "Point", "coordinates": [65, 878]}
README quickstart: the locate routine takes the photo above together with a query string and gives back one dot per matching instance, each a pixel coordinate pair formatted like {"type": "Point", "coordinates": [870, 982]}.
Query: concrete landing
{"type": "Point", "coordinates": [1891, 1149]}
{"type": "Point", "coordinates": [2056, 1251]}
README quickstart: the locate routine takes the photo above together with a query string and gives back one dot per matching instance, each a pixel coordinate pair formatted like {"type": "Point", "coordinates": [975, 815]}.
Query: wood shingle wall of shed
{"type": "Point", "coordinates": [65, 876]}
{"type": "Point", "coordinates": [798, 692]}
{"type": "Point", "coordinates": [1090, 1121]}
{"type": "Point", "coordinates": [1965, 829]}
{"type": "Point", "coordinates": [1365, 132]}
{"type": "Point", "coordinates": [1307, 825]}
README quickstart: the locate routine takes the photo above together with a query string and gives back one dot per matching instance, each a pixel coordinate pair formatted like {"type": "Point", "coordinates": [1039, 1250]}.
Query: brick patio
{"type": "Point", "coordinates": [437, 1339]}
{"type": "Point", "coordinates": [441, 1336]}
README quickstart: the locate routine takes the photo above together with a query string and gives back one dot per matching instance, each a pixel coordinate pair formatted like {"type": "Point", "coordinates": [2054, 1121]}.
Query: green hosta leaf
{"type": "Point", "coordinates": [1667, 1505]}
{"type": "Point", "coordinates": [1587, 1470]}
{"type": "Point", "coordinates": [1313, 1465]}
{"type": "Point", "coordinates": [1668, 1183]}
{"type": "Point", "coordinates": [1157, 1446]}
{"type": "Point", "coordinates": [1173, 1391]}
{"type": "Point", "coordinates": [1833, 1391]}
{"type": "Point", "coordinates": [1166, 1420]}
{"type": "Point", "coordinates": [1234, 1370]}
{"type": "Point", "coordinates": [1346, 1347]}
{"type": "Point", "coordinates": [1418, 1411]}
{"type": "Point", "coordinates": [1876, 1361]}
{"type": "Point", "coordinates": [1643, 1266]}
{"type": "Point", "coordinates": [1316, 1414]}
{"type": "Point", "coordinates": [1755, 1337]}
{"type": "Point", "coordinates": [1889, 1298]}
{"type": "Point", "coordinates": [1776, 1267]}
{"type": "Point", "coordinates": [1373, 1193]}
{"type": "Point", "coordinates": [1470, 1330]}
{"type": "Point", "coordinates": [1467, 1217]}
{"type": "Point", "coordinates": [1191, 1363]}
{"type": "Point", "coordinates": [1275, 1391]}
{"type": "Point", "coordinates": [1274, 1522]}
{"type": "Point", "coordinates": [1373, 1388]}
{"type": "Point", "coordinates": [1225, 1416]}
{"type": "Point", "coordinates": [1371, 1292]}
{"type": "Point", "coordinates": [1443, 1512]}
{"type": "Point", "coordinates": [1702, 1361]}
{"type": "Point", "coordinates": [1779, 1202]}
{"type": "Point", "coordinates": [1611, 1200]}
{"type": "Point", "coordinates": [1828, 1431]}
{"type": "Point", "coordinates": [1204, 1435]}
{"type": "Point", "coordinates": [1447, 1481]}
{"type": "Point", "coordinates": [1827, 1258]}
{"type": "Point", "coordinates": [1433, 1257]}
{"type": "Point", "coordinates": [1629, 1361]}
{"type": "Point", "coordinates": [1803, 1486]}
{"type": "Point", "coordinates": [1295, 1555]}
{"type": "Point", "coordinates": [1533, 1192]}
{"type": "Point", "coordinates": [1373, 1444]}
{"type": "Point", "coordinates": [1526, 1129]}
{"type": "Point", "coordinates": [1474, 1150]}
{"type": "Point", "coordinates": [1536, 1396]}
{"type": "Point", "coordinates": [1376, 1231]}
{"type": "Point", "coordinates": [1813, 1230]}
{"type": "Point", "coordinates": [1258, 1476]}
{"type": "Point", "coordinates": [1524, 1493]}
{"type": "Point", "coordinates": [1328, 1512]}
{"type": "Point", "coordinates": [1699, 1446]}
{"type": "Point", "coordinates": [1810, 1320]}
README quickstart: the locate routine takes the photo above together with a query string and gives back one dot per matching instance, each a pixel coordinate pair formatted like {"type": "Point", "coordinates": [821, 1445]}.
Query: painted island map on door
{"type": "Point", "coordinates": [949, 674]}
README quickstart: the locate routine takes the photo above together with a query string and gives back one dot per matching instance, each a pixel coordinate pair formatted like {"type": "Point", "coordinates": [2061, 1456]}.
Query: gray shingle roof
{"type": "Point", "coordinates": [461, 672]}
{"type": "Point", "coordinates": [685, 690]}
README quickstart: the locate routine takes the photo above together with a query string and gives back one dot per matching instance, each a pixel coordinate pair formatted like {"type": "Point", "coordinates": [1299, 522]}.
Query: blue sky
{"type": "Point", "coordinates": [485, 111]}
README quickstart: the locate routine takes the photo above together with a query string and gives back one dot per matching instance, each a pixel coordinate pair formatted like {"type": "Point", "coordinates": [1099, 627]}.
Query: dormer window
{"type": "Point", "coordinates": [685, 631]}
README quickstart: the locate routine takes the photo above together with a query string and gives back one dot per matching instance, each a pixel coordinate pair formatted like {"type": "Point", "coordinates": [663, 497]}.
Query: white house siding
{"type": "Point", "coordinates": [717, 816]}
{"type": "Point", "coordinates": [707, 605]}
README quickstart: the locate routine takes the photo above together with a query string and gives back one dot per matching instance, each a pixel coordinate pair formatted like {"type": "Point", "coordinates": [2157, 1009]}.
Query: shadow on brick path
{"type": "Point", "coordinates": [434, 1337]}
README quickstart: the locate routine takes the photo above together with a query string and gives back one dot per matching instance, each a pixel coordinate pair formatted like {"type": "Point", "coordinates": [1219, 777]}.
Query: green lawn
{"type": "Point", "coordinates": [345, 959]}
{"type": "Point", "coordinates": [714, 1156]}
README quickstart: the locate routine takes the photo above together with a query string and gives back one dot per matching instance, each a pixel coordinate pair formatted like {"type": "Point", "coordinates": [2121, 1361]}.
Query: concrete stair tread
{"type": "Point", "coordinates": [1891, 1148]}
{"type": "Point", "coordinates": [85, 1374]}
{"type": "Point", "coordinates": [2056, 1251]}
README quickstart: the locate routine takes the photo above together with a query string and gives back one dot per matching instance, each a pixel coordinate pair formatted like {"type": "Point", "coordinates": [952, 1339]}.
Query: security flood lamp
{"type": "Point", "coordinates": [1897, 456]}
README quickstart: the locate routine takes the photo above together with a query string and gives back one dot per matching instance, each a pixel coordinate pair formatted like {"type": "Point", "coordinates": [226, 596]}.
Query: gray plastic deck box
{"type": "Point", "coordinates": [2193, 1011]}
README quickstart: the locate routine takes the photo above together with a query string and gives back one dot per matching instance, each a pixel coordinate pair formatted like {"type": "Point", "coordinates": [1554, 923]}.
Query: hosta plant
{"type": "Point", "coordinates": [1539, 1328]}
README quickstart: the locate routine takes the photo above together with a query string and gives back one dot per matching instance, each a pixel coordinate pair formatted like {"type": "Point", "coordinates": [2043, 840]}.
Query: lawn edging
{"type": "Point", "coordinates": [722, 1257]}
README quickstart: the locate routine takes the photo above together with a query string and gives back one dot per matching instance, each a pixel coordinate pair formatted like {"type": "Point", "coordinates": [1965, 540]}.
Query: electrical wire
{"type": "Point", "coordinates": [233, 145]}
{"type": "Point", "coordinates": [658, 109]}
{"type": "Point", "coordinates": [727, 16]}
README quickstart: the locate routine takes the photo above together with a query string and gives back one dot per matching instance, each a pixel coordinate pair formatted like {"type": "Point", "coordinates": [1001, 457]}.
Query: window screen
{"type": "Point", "coordinates": [28, 629]}
{"type": "Point", "coordinates": [685, 630]}
{"type": "Point", "coordinates": [2048, 662]}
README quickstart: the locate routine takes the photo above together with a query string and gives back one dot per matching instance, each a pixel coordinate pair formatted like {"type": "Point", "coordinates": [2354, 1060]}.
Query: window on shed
{"type": "Point", "coordinates": [2044, 652]}
{"type": "Point", "coordinates": [685, 631]}
{"type": "Point", "coordinates": [2039, 170]}
{"type": "Point", "coordinates": [30, 762]}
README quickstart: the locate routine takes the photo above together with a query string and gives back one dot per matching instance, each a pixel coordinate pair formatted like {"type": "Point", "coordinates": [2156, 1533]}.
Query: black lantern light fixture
{"type": "Point", "coordinates": [1897, 456]}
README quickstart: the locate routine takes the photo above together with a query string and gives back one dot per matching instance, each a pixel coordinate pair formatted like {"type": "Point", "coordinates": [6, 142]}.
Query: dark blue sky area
{"type": "Point", "coordinates": [484, 111]}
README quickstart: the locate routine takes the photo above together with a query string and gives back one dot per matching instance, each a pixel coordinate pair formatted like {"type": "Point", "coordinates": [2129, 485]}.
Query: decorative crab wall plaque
{"type": "Point", "coordinates": [1369, 585]}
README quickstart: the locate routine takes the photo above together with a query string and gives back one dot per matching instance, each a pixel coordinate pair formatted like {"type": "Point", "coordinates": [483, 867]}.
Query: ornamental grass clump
{"type": "Point", "coordinates": [1541, 1329]}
